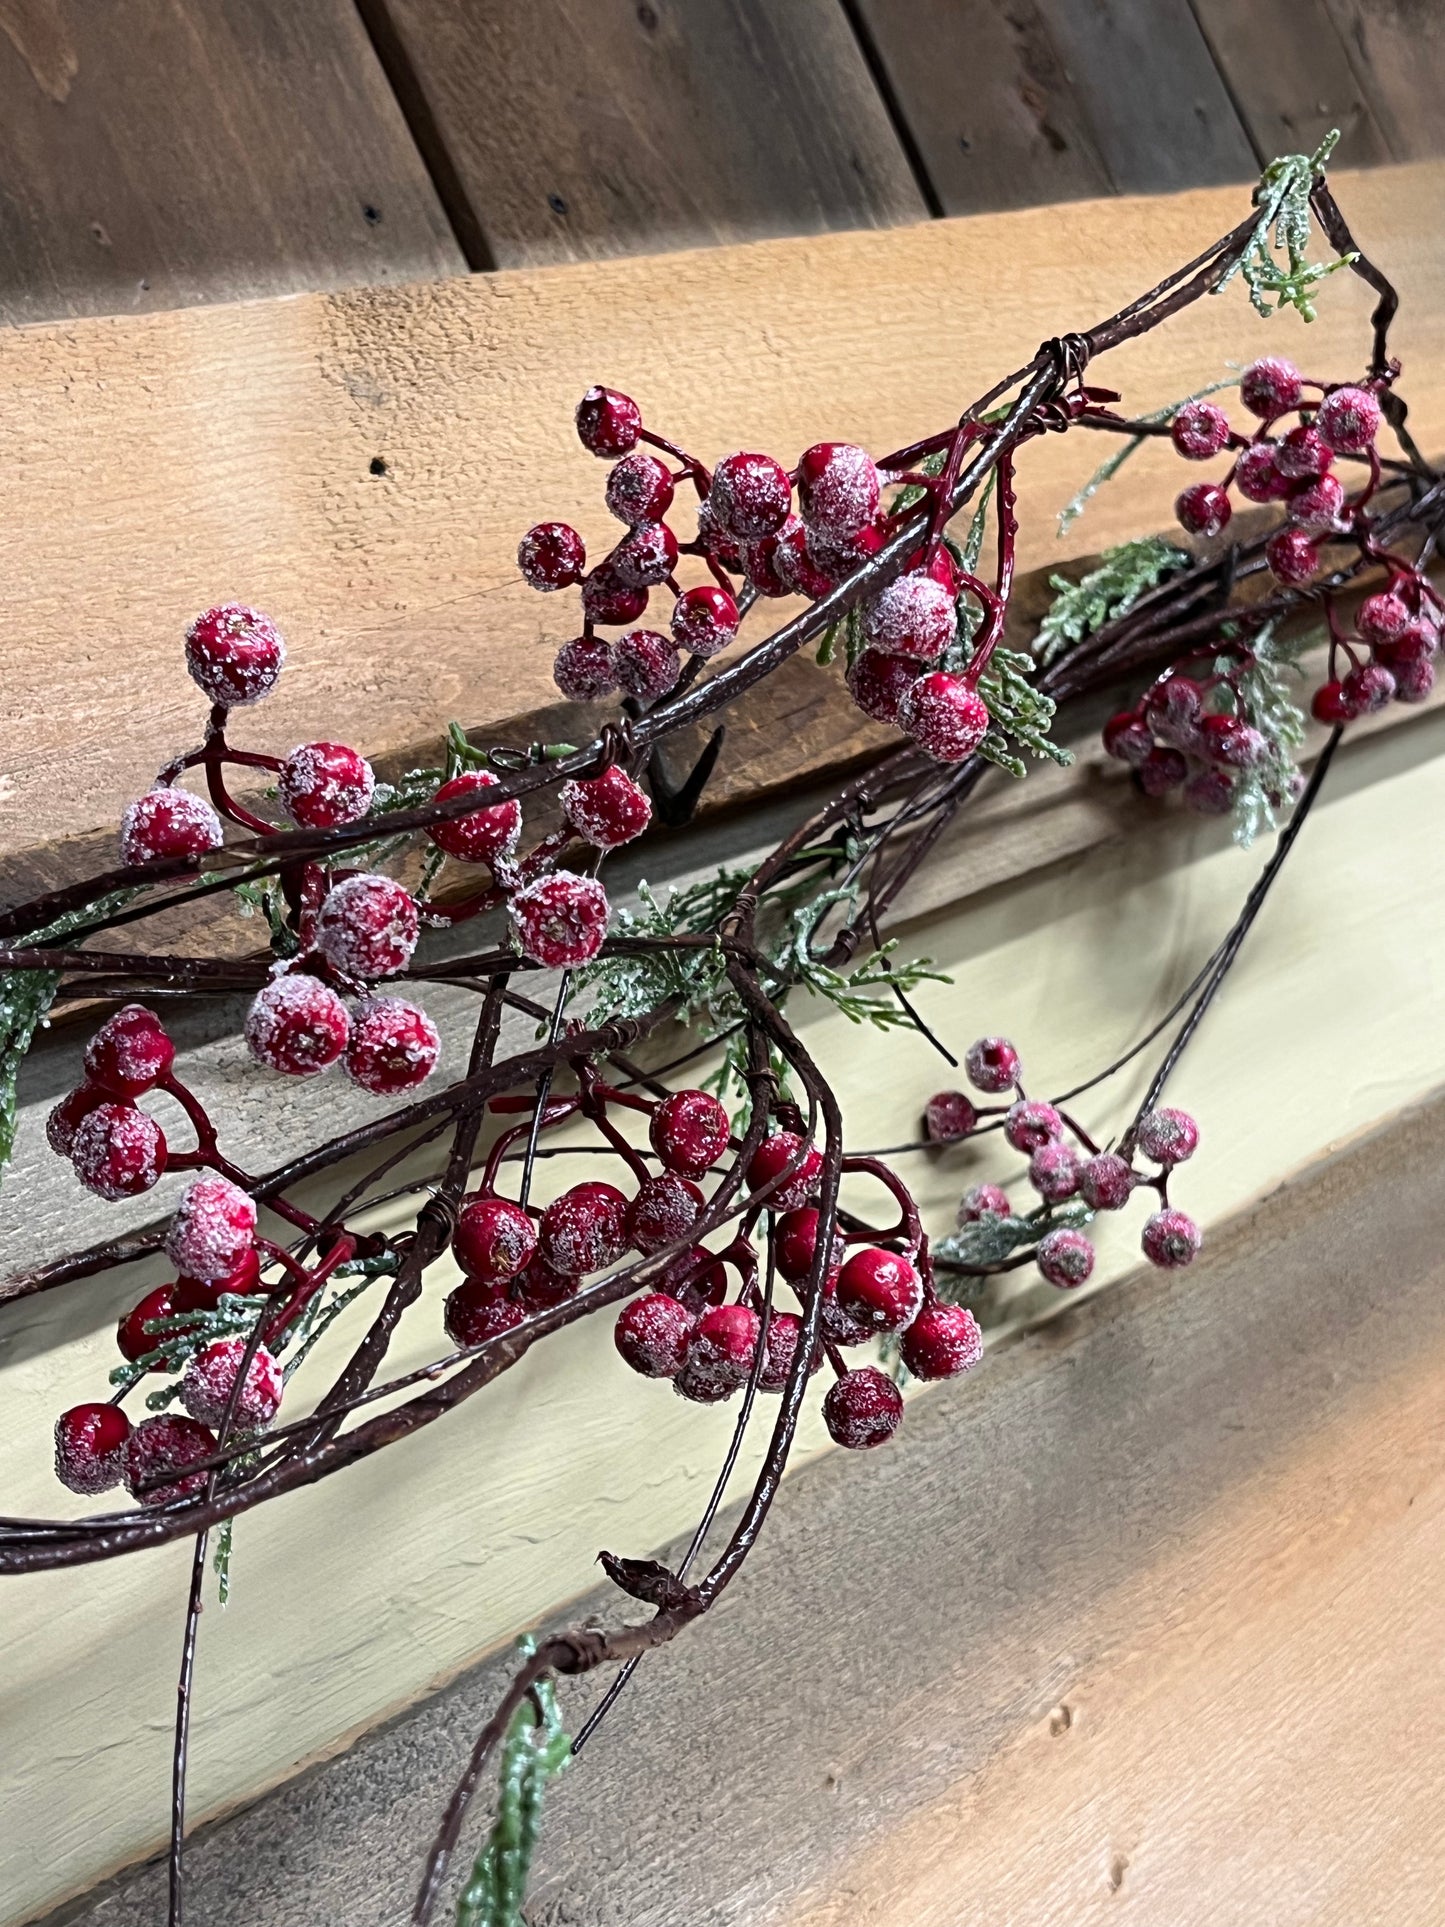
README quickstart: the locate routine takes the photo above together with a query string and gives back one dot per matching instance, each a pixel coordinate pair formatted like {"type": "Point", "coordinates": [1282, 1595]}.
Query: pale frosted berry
{"type": "Point", "coordinates": [1203, 509]}
{"type": "Point", "coordinates": [608, 599]}
{"type": "Point", "coordinates": [324, 784]}
{"type": "Point", "coordinates": [1332, 706]}
{"type": "Point", "coordinates": [1105, 1181]}
{"type": "Point", "coordinates": [946, 718]}
{"type": "Point", "coordinates": [837, 557]}
{"type": "Point", "coordinates": [652, 1334]}
{"type": "Point", "coordinates": [663, 1212]}
{"type": "Point", "coordinates": [1417, 642]}
{"type": "Point", "coordinates": [1369, 688]}
{"type": "Point", "coordinates": [880, 1289]}
{"type": "Point", "coordinates": [609, 809]}
{"type": "Point", "coordinates": [118, 1151]}
{"type": "Point", "coordinates": [720, 546]}
{"type": "Point", "coordinates": [1211, 792]}
{"type": "Point", "coordinates": [750, 496]}
{"type": "Point", "coordinates": [1171, 1239]}
{"type": "Point", "coordinates": [1348, 420]}
{"type": "Point", "coordinates": [942, 1341]}
{"type": "Point", "coordinates": [776, 1154]}
{"type": "Point", "coordinates": [168, 822]}
{"type": "Point", "coordinates": [163, 1445]}
{"type": "Point", "coordinates": [1302, 452]}
{"type": "Point", "coordinates": [1174, 709]}
{"type": "Point", "coordinates": [608, 423]}
{"type": "Point", "coordinates": [981, 1201]}
{"type": "Point", "coordinates": [211, 1374]}
{"type": "Point", "coordinates": [551, 556]}
{"type": "Point", "coordinates": [878, 683]}
{"type": "Point", "coordinates": [212, 1229]}
{"type": "Point", "coordinates": [1128, 737]}
{"type": "Point", "coordinates": [794, 564]}
{"type": "Point", "coordinates": [838, 488]}
{"type": "Point", "coordinates": [69, 1114]}
{"type": "Point", "coordinates": [205, 1294]}
{"type": "Point", "coordinates": [1199, 430]}
{"type": "Point", "coordinates": [991, 1064]}
{"type": "Point", "coordinates": [704, 620]}
{"type": "Point", "coordinates": [130, 1052]}
{"type": "Point", "coordinates": [1316, 506]}
{"type": "Point", "coordinates": [234, 654]}
{"type": "Point", "coordinates": [948, 1116]}
{"type": "Point", "coordinates": [1167, 1136]}
{"type": "Point", "coordinates": [585, 670]}
{"type": "Point", "coordinates": [133, 1336]}
{"type": "Point", "coordinates": [367, 927]}
{"type": "Point", "coordinates": [1232, 741]}
{"type": "Point", "coordinates": [689, 1132]}
{"type": "Point", "coordinates": [646, 664]}
{"type": "Point", "coordinates": [1162, 770]}
{"type": "Point", "coordinates": [914, 616]}
{"type": "Point", "coordinates": [475, 1312]}
{"type": "Point", "coordinates": [1413, 680]}
{"type": "Point", "coordinates": [723, 1344]}
{"type": "Point", "coordinates": [1054, 1172]}
{"type": "Point", "coordinates": [297, 1025]}
{"type": "Point", "coordinates": [1382, 618]}
{"type": "Point", "coordinates": [796, 1246]}
{"type": "Point", "coordinates": [494, 1240]}
{"type": "Point", "coordinates": [863, 1408]}
{"type": "Point", "coordinates": [393, 1047]}
{"type": "Point", "coordinates": [1257, 476]}
{"type": "Point", "coordinates": [541, 1286]}
{"type": "Point", "coordinates": [760, 561]}
{"type": "Point", "coordinates": [1030, 1124]}
{"type": "Point", "coordinates": [480, 836]}
{"type": "Point", "coordinates": [560, 920]}
{"type": "Point", "coordinates": [90, 1442]}
{"type": "Point", "coordinates": [639, 489]}
{"type": "Point", "coordinates": [645, 558]}
{"type": "Point", "coordinates": [584, 1230]}
{"type": "Point", "coordinates": [841, 1328]}
{"type": "Point", "coordinates": [780, 1347]}
{"type": "Point", "coordinates": [1064, 1257]}
{"type": "Point", "coordinates": [1271, 386]}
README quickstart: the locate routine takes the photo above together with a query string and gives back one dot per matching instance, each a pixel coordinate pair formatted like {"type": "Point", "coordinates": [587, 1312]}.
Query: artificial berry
{"type": "Point", "coordinates": [367, 927]}
{"type": "Point", "coordinates": [704, 620]}
{"type": "Point", "coordinates": [90, 1442]}
{"type": "Point", "coordinates": [796, 1246]}
{"type": "Point", "coordinates": [608, 424]}
{"type": "Point", "coordinates": [948, 1116]}
{"type": "Point", "coordinates": [879, 1289]}
{"type": "Point", "coordinates": [324, 784]}
{"type": "Point", "coordinates": [836, 558]}
{"type": "Point", "coordinates": [1231, 740]}
{"type": "Point", "coordinates": [560, 920]}
{"type": "Point", "coordinates": [645, 558]}
{"type": "Point", "coordinates": [878, 683]}
{"type": "Point", "coordinates": [68, 1116]}
{"type": "Point", "coordinates": [841, 1328]}
{"type": "Point", "coordinates": [1302, 452]}
{"type": "Point", "coordinates": [551, 556]}
{"type": "Point", "coordinates": [609, 599]}
{"type": "Point", "coordinates": [1199, 430]}
{"type": "Point", "coordinates": [541, 1286]}
{"type": "Point", "coordinates": [475, 1312]}
{"type": "Point", "coordinates": [1064, 1257]}
{"type": "Point", "coordinates": [944, 716]}
{"type": "Point", "coordinates": [1382, 618]}
{"type": "Point", "coordinates": [1167, 1136]}
{"type": "Point", "coordinates": [168, 822]}
{"type": "Point", "coordinates": [793, 562]}
{"type": "Point", "coordinates": [584, 1230]}
{"type": "Point", "coordinates": [165, 1444]}
{"type": "Point", "coordinates": [1369, 688]}
{"type": "Point", "coordinates": [1413, 680]}
{"type": "Point", "coordinates": [699, 1389]}
{"type": "Point", "coordinates": [130, 1052]}
{"type": "Point", "coordinates": [1128, 737]}
{"type": "Point", "coordinates": [1171, 1239]}
{"type": "Point", "coordinates": [210, 1378]}
{"type": "Point", "coordinates": [494, 1240]}
{"type": "Point", "coordinates": [689, 1132]}
{"type": "Point", "coordinates": [1417, 642]}
{"type": "Point", "coordinates": [982, 1201]}
{"type": "Point", "coordinates": [133, 1338]}
{"type": "Point", "coordinates": [942, 1341]}
{"type": "Point", "coordinates": [481, 836]}
{"type": "Point", "coordinates": [785, 1151]}
{"type": "Point", "coordinates": [1174, 709]}
{"type": "Point", "coordinates": [750, 496]}
{"type": "Point", "coordinates": [1203, 509]}
{"type": "Point", "coordinates": [991, 1064]}
{"type": "Point", "coordinates": [212, 1229]}
{"type": "Point", "coordinates": [646, 664]}
{"type": "Point", "coordinates": [780, 1347]}
{"type": "Point", "coordinates": [695, 1277]}
{"type": "Point", "coordinates": [863, 1408]}
{"type": "Point", "coordinates": [1348, 420]}
{"type": "Point", "coordinates": [652, 1334]}
{"type": "Point", "coordinates": [639, 489]}
{"type": "Point", "coordinates": [1210, 792]}
{"type": "Point", "coordinates": [118, 1151]}
{"type": "Point", "coordinates": [838, 488]}
{"type": "Point", "coordinates": [722, 548]}
{"type": "Point", "coordinates": [1105, 1181]}
{"type": "Point", "coordinates": [760, 562]}
{"type": "Point", "coordinates": [297, 1025]}
{"type": "Point", "coordinates": [914, 616]}
{"type": "Point", "coordinates": [723, 1344]}
{"type": "Point", "coordinates": [1054, 1172]}
{"type": "Point", "coordinates": [1030, 1124]}
{"type": "Point", "coordinates": [585, 670]}
{"type": "Point", "coordinates": [1315, 506]}
{"type": "Point", "coordinates": [1332, 706]}
{"type": "Point", "coordinates": [234, 654]}
{"type": "Point", "coordinates": [609, 809]}
{"type": "Point", "coordinates": [1257, 475]}
{"type": "Point", "coordinates": [1271, 386]}
{"type": "Point", "coordinates": [205, 1294]}
{"type": "Point", "coordinates": [393, 1047]}
{"type": "Point", "coordinates": [663, 1213]}
{"type": "Point", "coordinates": [1162, 770]}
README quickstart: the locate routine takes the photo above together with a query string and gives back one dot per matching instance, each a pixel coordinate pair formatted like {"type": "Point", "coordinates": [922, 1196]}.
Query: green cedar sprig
{"type": "Point", "coordinates": [1122, 575]}
{"type": "Point", "coordinates": [1283, 200]}
{"type": "Point", "coordinates": [534, 1752]}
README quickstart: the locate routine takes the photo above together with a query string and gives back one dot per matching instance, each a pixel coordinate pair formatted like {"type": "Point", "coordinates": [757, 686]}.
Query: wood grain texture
{"type": "Point", "coordinates": [163, 462]}
{"type": "Point", "coordinates": [581, 128]}
{"type": "Point", "coordinates": [1397, 48]}
{"type": "Point", "coordinates": [156, 153]}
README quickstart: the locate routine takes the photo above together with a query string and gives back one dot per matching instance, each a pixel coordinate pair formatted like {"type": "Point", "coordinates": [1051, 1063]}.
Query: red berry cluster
{"type": "Point", "coordinates": [1193, 733]}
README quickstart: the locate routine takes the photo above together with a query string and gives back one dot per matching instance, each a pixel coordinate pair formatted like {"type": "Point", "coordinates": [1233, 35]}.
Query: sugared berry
{"type": "Point", "coordinates": [118, 1151]}
{"type": "Point", "coordinates": [1382, 618]}
{"type": "Point", "coordinates": [991, 1064]}
{"type": "Point", "coordinates": [69, 1114]}
{"type": "Point", "coordinates": [793, 561]}
{"type": "Point", "coordinates": [210, 1377]}
{"type": "Point", "coordinates": [750, 496]}
{"type": "Point", "coordinates": [608, 599]}
{"type": "Point", "coordinates": [494, 1240]}
{"type": "Point", "coordinates": [645, 558]}
{"type": "Point", "coordinates": [1316, 506]}
{"type": "Point", "coordinates": [130, 1052]}
{"type": "Point", "coordinates": [689, 1132]}
{"type": "Point", "coordinates": [863, 1408]}
{"type": "Point", "coordinates": [1302, 452]}
{"type": "Point", "coordinates": [1030, 1124]}
{"type": "Point", "coordinates": [639, 489]}
{"type": "Point", "coordinates": [1231, 741]}
{"type": "Point", "coordinates": [723, 1344]}
{"type": "Point", "coordinates": [1369, 688]}
{"type": "Point", "coordinates": [880, 1289]}
{"type": "Point", "coordinates": [90, 1442]}
{"type": "Point", "coordinates": [608, 423]}
{"type": "Point", "coordinates": [1064, 1257]}
{"type": "Point", "coordinates": [297, 1025]}
{"type": "Point", "coordinates": [948, 1116]}
{"type": "Point", "coordinates": [837, 557]}
{"type": "Point", "coordinates": [367, 927]}
{"type": "Point", "coordinates": [1128, 737]}
{"type": "Point", "coordinates": [1174, 709]}
{"type": "Point", "coordinates": [942, 1341]}
{"type": "Point", "coordinates": [585, 670]}
{"type": "Point", "coordinates": [760, 562]}
{"type": "Point", "coordinates": [704, 620]}
{"type": "Point", "coordinates": [796, 1245]}
{"type": "Point", "coordinates": [475, 1312]}
{"type": "Point", "coordinates": [652, 1334]}
{"type": "Point", "coordinates": [780, 1347]}
{"type": "Point", "coordinates": [561, 919]}
{"type": "Point", "coordinates": [783, 1151]}
{"type": "Point", "coordinates": [609, 809]}
{"type": "Point", "coordinates": [324, 784]}
{"type": "Point", "coordinates": [1171, 1239]}
{"type": "Point", "coordinates": [1199, 430]}
{"type": "Point", "coordinates": [1413, 680]}
{"type": "Point", "coordinates": [234, 654]}
{"type": "Point", "coordinates": [982, 1201]}
{"type": "Point", "coordinates": [212, 1229]}
{"type": "Point", "coordinates": [1054, 1172]}
{"type": "Point", "coordinates": [946, 718]}
{"type": "Point", "coordinates": [164, 1445]}
{"type": "Point", "coordinates": [205, 1294]}
{"type": "Point", "coordinates": [480, 836]}
{"type": "Point", "coordinates": [914, 616]}
{"type": "Point", "coordinates": [551, 556]}
{"type": "Point", "coordinates": [1105, 1181]}
{"type": "Point", "coordinates": [1257, 475]}
{"type": "Point", "coordinates": [541, 1286]}
{"type": "Point", "coordinates": [1167, 1136]}
{"type": "Point", "coordinates": [645, 664]}
{"type": "Point", "coordinates": [1348, 420]}
{"type": "Point", "coordinates": [838, 488]}
{"type": "Point", "coordinates": [585, 1229]}
{"type": "Point", "coordinates": [663, 1212]}
{"type": "Point", "coordinates": [393, 1047]}
{"type": "Point", "coordinates": [878, 683]}
{"type": "Point", "coordinates": [1210, 792]}
{"type": "Point", "coordinates": [1162, 770]}
{"type": "Point", "coordinates": [1271, 386]}
{"type": "Point", "coordinates": [1203, 509]}
{"type": "Point", "coordinates": [168, 822]}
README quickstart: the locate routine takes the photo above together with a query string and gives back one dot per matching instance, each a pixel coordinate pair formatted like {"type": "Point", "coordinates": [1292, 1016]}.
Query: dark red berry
{"type": "Point", "coordinates": [1369, 689]}
{"type": "Point", "coordinates": [750, 496]}
{"type": "Point", "coordinates": [1316, 506]}
{"type": "Point", "coordinates": [234, 654]}
{"type": "Point", "coordinates": [69, 1114]}
{"type": "Point", "coordinates": [541, 1286]}
{"type": "Point", "coordinates": [1348, 420]}
{"type": "Point", "coordinates": [367, 927]}
{"type": "Point", "coordinates": [991, 1064]}
{"type": "Point", "coordinates": [652, 1334]}
{"type": "Point", "coordinates": [863, 1408]}
{"type": "Point", "coordinates": [760, 562]}
{"type": "Point", "coordinates": [880, 1289]}
{"type": "Point", "coordinates": [129, 1053]}
{"type": "Point", "coordinates": [205, 1294]}
{"type": "Point", "coordinates": [1416, 643]}
{"type": "Point", "coordinates": [695, 1277]}
{"type": "Point", "coordinates": [584, 1230]}
{"type": "Point", "coordinates": [480, 836]}
{"type": "Point", "coordinates": [1301, 453]}
{"type": "Point", "coordinates": [796, 1245]}
{"type": "Point", "coordinates": [721, 547]}
{"type": "Point", "coordinates": [1105, 1182]}
{"type": "Point", "coordinates": [297, 1025]}
{"type": "Point", "coordinates": [946, 718]}
{"type": "Point", "coordinates": [131, 1335]}
{"type": "Point", "coordinates": [780, 1348]}
{"type": "Point", "coordinates": [1271, 386]}
{"type": "Point", "coordinates": [794, 564]}
{"type": "Point", "coordinates": [1383, 617]}
{"type": "Point", "coordinates": [608, 599]}
{"type": "Point", "coordinates": [212, 1230]}
{"type": "Point", "coordinates": [838, 488]}
{"type": "Point", "coordinates": [1167, 1136]}
{"type": "Point", "coordinates": [948, 1117]}
{"type": "Point", "coordinates": [704, 620]}
{"type": "Point", "coordinates": [475, 1312]}
{"type": "Point", "coordinates": [609, 809]}
{"type": "Point", "coordinates": [1054, 1172]}
{"type": "Point", "coordinates": [1203, 509]}
{"type": "Point", "coordinates": [608, 424]}
{"type": "Point", "coordinates": [1030, 1124]}
{"type": "Point", "coordinates": [494, 1240]}
{"type": "Point", "coordinates": [663, 1212]}
{"type": "Point", "coordinates": [1171, 1240]}
{"type": "Point", "coordinates": [942, 1341]}
{"type": "Point", "coordinates": [1210, 793]}
{"type": "Point", "coordinates": [914, 616]}
{"type": "Point", "coordinates": [646, 664]}
{"type": "Point", "coordinates": [1162, 770]}
{"type": "Point", "coordinates": [879, 682]}
{"type": "Point", "coordinates": [836, 558]}
{"type": "Point", "coordinates": [1257, 476]}
{"type": "Point", "coordinates": [982, 1201]}
{"type": "Point", "coordinates": [699, 1389]}
{"type": "Point", "coordinates": [551, 556]}
{"type": "Point", "coordinates": [1413, 680]}
{"type": "Point", "coordinates": [1065, 1258]}
{"type": "Point", "coordinates": [785, 1151]}
{"type": "Point", "coordinates": [1174, 708]}
{"type": "Point", "coordinates": [689, 1132]}
{"type": "Point", "coordinates": [210, 1377]}
{"type": "Point", "coordinates": [1199, 430]}
{"type": "Point", "coordinates": [723, 1344]}
{"type": "Point", "coordinates": [118, 1151]}
{"type": "Point", "coordinates": [1231, 741]}
{"type": "Point", "coordinates": [168, 822]}
{"type": "Point", "coordinates": [1332, 706]}
{"type": "Point", "coordinates": [393, 1047]}
{"type": "Point", "coordinates": [324, 784]}
{"type": "Point", "coordinates": [162, 1445]}
{"type": "Point", "coordinates": [1128, 737]}
{"type": "Point", "coordinates": [645, 558]}
{"type": "Point", "coordinates": [90, 1442]}
{"type": "Point", "coordinates": [585, 670]}
{"type": "Point", "coordinates": [639, 489]}
{"type": "Point", "coordinates": [560, 919]}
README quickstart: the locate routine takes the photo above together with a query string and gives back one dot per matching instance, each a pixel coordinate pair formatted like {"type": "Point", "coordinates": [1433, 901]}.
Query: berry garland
{"type": "Point", "coordinates": [732, 1204]}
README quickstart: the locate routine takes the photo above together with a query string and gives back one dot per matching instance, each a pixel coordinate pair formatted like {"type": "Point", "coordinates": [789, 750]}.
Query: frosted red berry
{"type": "Point", "coordinates": [1382, 618]}
{"type": "Point", "coordinates": [130, 1052]}
{"type": "Point", "coordinates": [1054, 1172]}
{"type": "Point", "coordinates": [796, 1245]}
{"type": "Point", "coordinates": [1369, 688]}
{"type": "Point", "coordinates": [494, 1240]}
{"type": "Point", "coordinates": [608, 599]}
{"type": "Point", "coordinates": [942, 1341]}
{"type": "Point", "coordinates": [1257, 476]}
{"type": "Point", "coordinates": [90, 1442]}
{"type": "Point", "coordinates": [1348, 420]}
{"type": "Point", "coordinates": [750, 496]}
{"type": "Point", "coordinates": [1316, 506]}
{"type": "Point", "coordinates": [781, 1340]}
{"type": "Point", "coordinates": [639, 489]}
{"type": "Point", "coordinates": [721, 547]}
{"type": "Point", "coordinates": [609, 809]}
{"type": "Point", "coordinates": [1199, 430]}
{"type": "Point", "coordinates": [1210, 792]}
{"type": "Point", "coordinates": [585, 1229]}
{"type": "Point", "coordinates": [704, 620]}
{"type": "Point", "coordinates": [695, 1277]}
{"type": "Point", "coordinates": [1271, 386]}
{"type": "Point", "coordinates": [645, 664]}
{"type": "Point", "coordinates": [1064, 1257]}
{"type": "Point", "coordinates": [644, 558]}
{"type": "Point", "coordinates": [991, 1064]}
{"type": "Point", "coordinates": [838, 488]}
{"type": "Point", "coordinates": [1162, 770]}
{"type": "Point", "coordinates": [913, 616]}
{"type": "Point", "coordinates": [1171, 1240]}
{"type": "Point", "coordinates": [878, 683]}
{"type": "Point", "coordinates": [794, 564]}
{"type": "Point", "coordinates": [234, 654]}
{"type": "Point", "coordinates": [782, 1151]}
{"type": "Point", "coordinates": [652, 1334]}
{"type": "Point", "coordinates": [760, 562]}
{"type": "Point", "coordinates": [837, 557]}
{"type": "Point", "coordinates": [210, 1378]}
{"type": "Point", "coordinates": [1105, 1181]}
{"type": "Point", "coordinates": [689, 1132]}
{"type": "Point", "coordinates": [723, 1344]}
{"type": "Point", "coordinates": [541, 1286]}
{"type": "Point", "coordinates": [168, 822]}
{"type": "Point", "coordinates": [1174, 708]}
{"type": "Point", "coordinates": [1167, 1136]}
{"type": "Point", "coordinates": [1030, 1124]}
{"type": "Point", "coordinates": [393, 1047]}
{"type": "Point", "coordinates": [1128, 737]}
{"type": "Point", "coordinates": [560, 920]}
{"type": "Point", "coordinates": [165, 1445]}
{"type": "Point", "coordinates": [324, 784]}
{"type": "Point", "coordinates": [1332, 706]}
{"type": "Point", "coordinates": [944, 716]}
{"type": "Point", "coordinates": [948, 1116]}
{"type": "Point", "coordinates": [1301, 453]}
{"type": "Point", "coordinates": [481, 835]}
{"type": "Point", "coordinates": [982, 1201]}
{"type": "Point", "coordinates": [700, 1389]}
{"type": "Point", "coordinates": [608, 423]}
{"type": "Point", "coordinates": [585, 670]}
{"type": "Point", "coordinates": [69, 1114]}
{"type": "Point", "coordinates": [297, 1025]}
{"type": "Point", "coordinates": [1203, 509]}
{"type": "Point", "coordinates": [367, 927]}
{"type": "Point", "coordinates": [1231, 741]}
{"type": "Point", "coordinates": [475, 1312]}
{"type": "Point", "coordinates": [880, 1289]}
{"type": "Point", "coordinates": [663, 1212]}
{"type": "Point", "coordinates": [863, 1408]}
{"type": "Point", "coordinates": [133, 1338]}
{"type": "Point", "coordinates": [552, 555]}
{"type": "Point", "coordinates": [205, 1294]}
{"type": "Point", "coordinates": [1414, 680]}
{"type": "Point", "coordinates": [118, 1151]}
{"type": "Point", "coordinates": [212, 1230]}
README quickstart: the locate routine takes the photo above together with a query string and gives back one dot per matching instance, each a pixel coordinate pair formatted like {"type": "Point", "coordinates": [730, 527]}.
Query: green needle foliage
{"type": "Point", "coordinates": [534, 1751]}
{"type": "Point", "coordinates": [1283, 200]}
{"type": "Point", "coordinates": [1122, 575]}
{"type": "Point", "coordinates": [992, 1240]}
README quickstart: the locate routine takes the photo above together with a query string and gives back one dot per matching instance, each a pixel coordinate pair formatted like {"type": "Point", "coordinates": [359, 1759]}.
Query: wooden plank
{"type": "Point", "coordinates": [256, 432]}
{"type": "Point", "coordinates": [1398, 51]}
{"type": "Point", "coordinates": [575, 129]}
{"type": "Point", "coordinates": [156, 153]}
{"type": "Point", "coordinates": [1288, 70]}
